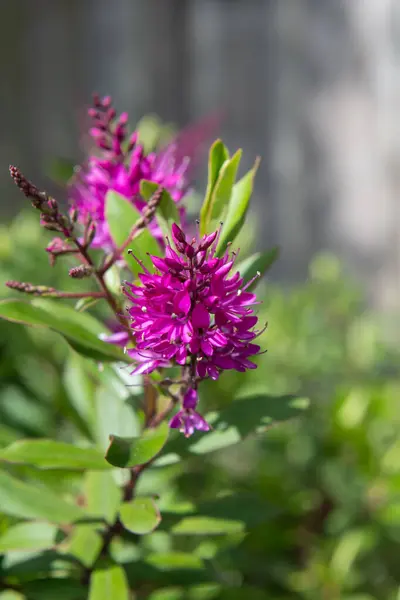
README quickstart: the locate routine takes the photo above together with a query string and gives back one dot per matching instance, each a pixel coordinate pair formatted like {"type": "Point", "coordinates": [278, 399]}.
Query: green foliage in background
{"type": "Point", "coordinates": [310, 509]}
{"type": "Point", "coordinates": [282, 499]}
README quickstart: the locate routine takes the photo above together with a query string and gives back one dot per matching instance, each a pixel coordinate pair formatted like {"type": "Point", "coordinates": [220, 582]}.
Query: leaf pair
{"type": "Point", "coordinates": [228, 202]}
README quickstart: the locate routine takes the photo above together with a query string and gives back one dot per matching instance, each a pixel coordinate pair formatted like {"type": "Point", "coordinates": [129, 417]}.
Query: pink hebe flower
{"type": "Point", "coordinates": [120, 166]}
{"type": "Point", "coordinates": [192, 311]}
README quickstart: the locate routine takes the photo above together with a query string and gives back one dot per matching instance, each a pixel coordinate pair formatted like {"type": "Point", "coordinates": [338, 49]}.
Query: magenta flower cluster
{"type": "Point", "coordinates": [192, 311]}
{"type": "Point", "coordinates": [120, 166]}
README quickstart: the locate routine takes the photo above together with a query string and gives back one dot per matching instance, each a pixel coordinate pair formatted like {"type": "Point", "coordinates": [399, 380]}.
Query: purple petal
{"type": "Point", "coordinates": [176, 422]}
{"type": "Point", "coordinates": [159, 263]}
{"type": "Point", "coordinates": [200, 317]}
{"type": "Point", "coordinates": [222, 271]}
{"type": "Point", "coordinates": [224, 362]}
{"type": "Point", "coordinates": [213, 372]}
{"type": "Point", "coordinates": [182, 303]}
{"type": "Point", "coordinates": [199, 422]}
{"type": "Point", "coordinates": [201, 369]}
{"type": "Point", "coordinates": [120, 339]}
{"type": "Point", "coordinates": [206, 347]}
{"type": "Point", "coordinates": [190, 399]}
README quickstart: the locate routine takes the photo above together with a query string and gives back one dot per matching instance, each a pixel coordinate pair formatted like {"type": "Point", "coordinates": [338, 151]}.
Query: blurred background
{"type": "Point", "coordinates": [312, 86]}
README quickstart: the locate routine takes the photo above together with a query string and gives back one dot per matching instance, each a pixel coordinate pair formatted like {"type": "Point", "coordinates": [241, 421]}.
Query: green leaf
{"type": "Point", "coordinates": [113, 415]}
{"type": "Point", "coordinates": [28, 536]}
{"type": "Point", "coordinates": [237, 208]}
{"type": "Point", "coordinates": [27, 565]}
{"type": "Point", "coordinates": [103, 496]}
{"type": "Point", "coordinates": [49, 454]}
{"type": "Point", "coordinates": [113, 279]}
{"type": "Point", "coordinates": [84, 544]}
{"type": "Point", "coordinates": [255, 414]}
{"type": "Point", "coordinates": [229, 513]}
{"type": "Point", "coordinates": [121, 216]}
{"type": "Point", "coordinates": [207, 526]}
{"type": "Point", "coordinates": [10, 595]}
{"type": "Point", "coordinates": [85, 303]}
{"type": "Point", "coordinates": [80, 391]}
{"type": "Point", "coordinates": [140, 516]}
{"type": "Point", "coordinates": [51, 589]}
{"type": "Point", "coordinates": [29, 502]}
{"type": "Point", "coordinates": [167, 212]}
{"type": "Point", "coordinates": [130, 452]}
{"type": "Point", "coordinates": [79, 329]}
{"type": "Point", "coordinates": [260, 262]}
{"type": "Point", "coordinates": [217, 157]}
{"type": "Point", "coordinates": [221, 195]}
{"type": "Point", "coordinates": [108, 584]}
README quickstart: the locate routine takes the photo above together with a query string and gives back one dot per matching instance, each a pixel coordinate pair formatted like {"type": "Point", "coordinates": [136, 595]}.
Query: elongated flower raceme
{"type": "Point", "coordinates": [120, 166]}
{"type": "Point", "coordinates": [194, 311]}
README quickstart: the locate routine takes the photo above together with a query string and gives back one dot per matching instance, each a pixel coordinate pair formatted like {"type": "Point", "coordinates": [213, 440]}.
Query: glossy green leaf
{"type": "Point", "coordinates": [140, 516]}
{"type": "Point", "coordinates": [103, 496]}
{"type": "Point", "coordinates": [221, 194]}
{"type": "Point", "coordinates": [28, 536]}
{"type": "Point", "coordinates": [54, 589]}
{"type": "Point", "coordinates": [121, 216]}
{"type": "Point", "coordinates": [130, 452]}
{"type": "Point", "coordinates": [49, 454]}
{"type": "Point", "coordinates": [217, 157]}
{"type": "Point", "coordinates": [11, 595]}
{"type": "Point", "coordinates": [26, 501]}
{"type": "Point", "coordinates": [79, 329]}
{"type": "Point", "coordinates": [27, 564]}
{"type": "Point", "coordinates": [167, 212]}
{"type": "Point", "coordinates": [207, 526]}
{"type": "Point", "coordinates": [237, 208]}
{"type": "Point", "coordinates": [84, 544]}
{"type": "Point", "coordinates": [80, 391]}
{"type": "Point", "coordinates": [257, 263]}
{"type": "Point", "coordinates": [108, 584]}
{"type": "Point", "coordinates": [63, 312]}
{"type": "Point", "coordinates": [242, 418]}
{"type": "Point", "coordinates": [113, 416]}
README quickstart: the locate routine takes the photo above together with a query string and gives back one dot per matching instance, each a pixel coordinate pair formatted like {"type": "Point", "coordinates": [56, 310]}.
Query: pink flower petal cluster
{"type": "Point", "coordinates": [120, 166]}
{"type": "Point", "coordinates": [195, 312]}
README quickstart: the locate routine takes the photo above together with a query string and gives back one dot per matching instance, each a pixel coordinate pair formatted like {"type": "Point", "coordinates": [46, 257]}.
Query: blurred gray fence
{"type": "Point", "coordinates": [313, 86]}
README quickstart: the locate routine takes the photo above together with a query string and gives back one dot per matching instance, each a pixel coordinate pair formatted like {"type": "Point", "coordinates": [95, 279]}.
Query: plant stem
{"type": "Point", "coordinates": [49, 292]}
{"type": "Point", "coordinates": [129, 489]}
{"type": "Point", "coordinates": [60, 294]}
{"type": "Point", "coordinates": [101, 282]}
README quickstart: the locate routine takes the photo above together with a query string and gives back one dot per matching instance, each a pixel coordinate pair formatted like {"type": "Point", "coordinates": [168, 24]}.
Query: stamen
{"type": "Point", "coordinates": [198, 230]}
{"type": "Point", "coordinates": [256, 276]}
{"type": "Point", "coordinates": [130, 252]}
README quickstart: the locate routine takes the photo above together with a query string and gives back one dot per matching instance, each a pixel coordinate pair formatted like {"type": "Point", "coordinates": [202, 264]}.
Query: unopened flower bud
{"type": "Point", "coordinates": [81, 272]}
